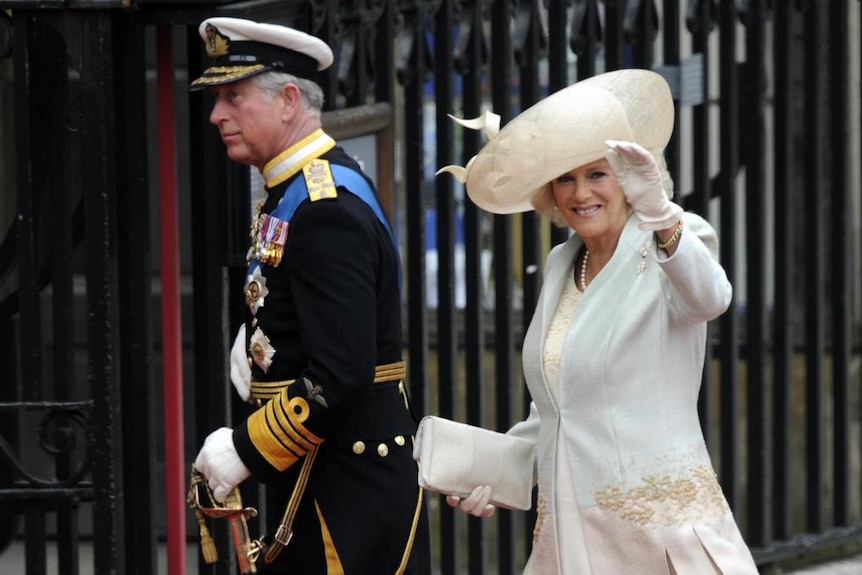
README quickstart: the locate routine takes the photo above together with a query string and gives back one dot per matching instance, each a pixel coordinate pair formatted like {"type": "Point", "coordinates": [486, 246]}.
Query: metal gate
{"type": "Point", "coordinates": [109, 170]}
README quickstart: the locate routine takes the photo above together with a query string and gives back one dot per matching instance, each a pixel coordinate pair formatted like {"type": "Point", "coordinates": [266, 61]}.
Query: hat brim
{"type": "Point", "coordinates": [243, 48]}
{"type": "Point", "coordinates": [218, 75]}
{"type": "Point", "coordinates": [566, 130]}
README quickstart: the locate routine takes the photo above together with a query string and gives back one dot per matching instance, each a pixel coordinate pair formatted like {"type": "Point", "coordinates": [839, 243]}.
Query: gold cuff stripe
{"type": "Point", "coordinates": [266, 443]}
{"type": "Point", "coordinates": [288, 426]}
{"type": "Point", "coordinates": [286, 440]}
{"type": "Point", "coordinates": [268, 389]}
{"type": "Point", "coordinates": [385, 372]}
{"type": "Point", "coordinates": [278, 434]}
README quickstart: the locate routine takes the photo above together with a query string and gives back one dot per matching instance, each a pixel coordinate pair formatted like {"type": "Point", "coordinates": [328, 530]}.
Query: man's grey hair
{"type": "Point", "coordinates": [273, 82]}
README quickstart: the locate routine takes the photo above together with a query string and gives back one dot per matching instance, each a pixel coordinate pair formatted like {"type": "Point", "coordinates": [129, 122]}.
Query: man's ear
{"type": "Point", "coordinates": [292, 101]}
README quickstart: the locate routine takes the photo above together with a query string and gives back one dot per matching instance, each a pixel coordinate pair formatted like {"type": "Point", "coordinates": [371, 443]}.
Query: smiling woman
{"type": "Point", "coordinates": [614, 354]}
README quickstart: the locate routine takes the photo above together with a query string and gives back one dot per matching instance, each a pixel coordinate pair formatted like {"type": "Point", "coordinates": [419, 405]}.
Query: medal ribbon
{"type": "Point", "coordinates": [273, 227]}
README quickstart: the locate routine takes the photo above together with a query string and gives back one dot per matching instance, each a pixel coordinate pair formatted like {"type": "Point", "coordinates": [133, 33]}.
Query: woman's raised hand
{"type": "Point", "coordinates": [638, 174]}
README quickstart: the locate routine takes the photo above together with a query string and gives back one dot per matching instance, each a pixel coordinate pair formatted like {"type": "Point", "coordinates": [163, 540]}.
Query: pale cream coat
{"type": "Point", "coordinates": [622, 431]}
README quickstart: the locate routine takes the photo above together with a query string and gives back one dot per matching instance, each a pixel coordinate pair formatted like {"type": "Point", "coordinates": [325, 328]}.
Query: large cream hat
{"type": "Point", "coordinates": [243, 48]}
{"type": "Point", "coordinates": [566, 130]}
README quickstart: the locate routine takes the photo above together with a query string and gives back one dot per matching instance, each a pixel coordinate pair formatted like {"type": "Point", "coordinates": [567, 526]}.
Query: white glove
{"type": "Point", "coordinates": [638, 174]}
{"type": "Point", "coordinates": [219, 462]}
{"type": "Point", "coordinates": [475, 504]}
{"type": "Point", "coordinates": [240, 372]}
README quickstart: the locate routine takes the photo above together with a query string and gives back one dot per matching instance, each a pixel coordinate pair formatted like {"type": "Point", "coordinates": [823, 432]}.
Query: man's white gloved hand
{"type": "Point", "coordinates": [639, 176]}
{"type": "Point", "coordinates": [240, 372]}
{"type": "Point", "coordinates": [219, 462]}
{"type": "Point", "coordinates": [476, 504]}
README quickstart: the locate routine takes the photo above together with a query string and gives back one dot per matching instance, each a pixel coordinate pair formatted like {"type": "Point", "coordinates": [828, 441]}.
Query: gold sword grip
{"type": "Point", "coordinates": [247, 548]}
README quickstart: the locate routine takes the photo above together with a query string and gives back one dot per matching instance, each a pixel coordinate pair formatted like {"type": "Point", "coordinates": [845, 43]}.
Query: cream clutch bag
{"type": "Point", "coordinates": [455, 457]}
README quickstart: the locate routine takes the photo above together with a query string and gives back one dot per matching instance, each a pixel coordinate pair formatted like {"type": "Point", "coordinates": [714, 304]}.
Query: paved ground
{"type": "Point", "coordinates": [12, 563]}
{"type": "Point", "coordinates": [12, 560]}
{"type": "Point", "coordinates": [846, 567]}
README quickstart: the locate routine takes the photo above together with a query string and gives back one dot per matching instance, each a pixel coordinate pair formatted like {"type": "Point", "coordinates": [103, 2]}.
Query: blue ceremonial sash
{"type": "Point", "coordinates": [297, 192]}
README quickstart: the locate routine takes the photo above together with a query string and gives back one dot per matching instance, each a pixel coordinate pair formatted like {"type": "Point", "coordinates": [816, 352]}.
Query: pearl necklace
{"type": "Point", "coordinates": [584, 270]}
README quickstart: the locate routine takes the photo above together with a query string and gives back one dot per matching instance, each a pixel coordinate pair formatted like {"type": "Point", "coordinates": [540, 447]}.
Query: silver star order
{"type": "Point", "coordinates": [255, 290]}
{"type": "Point", "coordinates": [261, 350]}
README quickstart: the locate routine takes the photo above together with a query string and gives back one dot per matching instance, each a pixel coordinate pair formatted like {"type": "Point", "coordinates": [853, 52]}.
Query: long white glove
{"type": "Point", "coordinates": [240, 372]}
{"type": "Point", "coordinates": [219, 462]}
{"type": "Point", "coordinates": [638, 174]}
{"type": "Point", "coordinates": [476, 503]}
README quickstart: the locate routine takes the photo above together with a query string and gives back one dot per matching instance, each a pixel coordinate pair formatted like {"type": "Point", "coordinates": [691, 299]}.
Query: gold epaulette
{"type": "Point", "coordinates": [319, 180]}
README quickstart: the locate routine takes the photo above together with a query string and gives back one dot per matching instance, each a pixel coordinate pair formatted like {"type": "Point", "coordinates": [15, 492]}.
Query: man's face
{"type": "Point", "coordinates": [251, 122]}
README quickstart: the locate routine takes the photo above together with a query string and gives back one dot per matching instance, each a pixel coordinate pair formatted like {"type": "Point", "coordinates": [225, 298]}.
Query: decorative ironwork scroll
{"type": "Point", "coordinates": [62, 429]}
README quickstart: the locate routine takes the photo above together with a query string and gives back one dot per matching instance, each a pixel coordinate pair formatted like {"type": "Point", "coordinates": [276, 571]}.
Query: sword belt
{"type": "Point", "coordinates": [264, 390]}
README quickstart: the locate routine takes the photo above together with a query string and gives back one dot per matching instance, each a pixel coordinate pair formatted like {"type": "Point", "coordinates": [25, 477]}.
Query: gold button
{"type": "Point", "coordinates": [382, 450]}
{"type": "Point", "coordinates": [359, 448]}
{"type": "Point", "coordinates": [399, 439]}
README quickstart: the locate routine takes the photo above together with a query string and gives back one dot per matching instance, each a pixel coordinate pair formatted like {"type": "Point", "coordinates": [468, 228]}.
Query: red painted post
{"type": "Point", "coordinates": [175, 472]}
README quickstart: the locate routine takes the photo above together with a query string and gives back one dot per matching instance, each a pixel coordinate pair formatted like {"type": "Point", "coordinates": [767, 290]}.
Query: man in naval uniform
{"type": "Point", "coordinates": [320, 351]}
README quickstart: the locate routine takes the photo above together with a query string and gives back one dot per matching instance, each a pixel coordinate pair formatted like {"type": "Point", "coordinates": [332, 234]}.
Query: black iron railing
{"type": "Point", "coordinates": [765, 125]}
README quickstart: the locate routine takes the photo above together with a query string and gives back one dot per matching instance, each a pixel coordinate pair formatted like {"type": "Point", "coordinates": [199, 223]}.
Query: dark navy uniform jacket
{"type": "Point", "coordinates": [331, 313]}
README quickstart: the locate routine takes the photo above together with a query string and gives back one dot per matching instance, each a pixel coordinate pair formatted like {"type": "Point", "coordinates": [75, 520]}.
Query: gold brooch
{"type": "Point", "coordinates": [645, 250]}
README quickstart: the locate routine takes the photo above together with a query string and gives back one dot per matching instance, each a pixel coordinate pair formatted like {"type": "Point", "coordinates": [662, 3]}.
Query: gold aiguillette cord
{"type": "Point", "coordinates": [285, 530]}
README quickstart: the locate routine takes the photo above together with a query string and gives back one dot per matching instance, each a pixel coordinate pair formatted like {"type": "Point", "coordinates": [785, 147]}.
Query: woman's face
{"type": "Point", "coordinates": [591, 201]}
